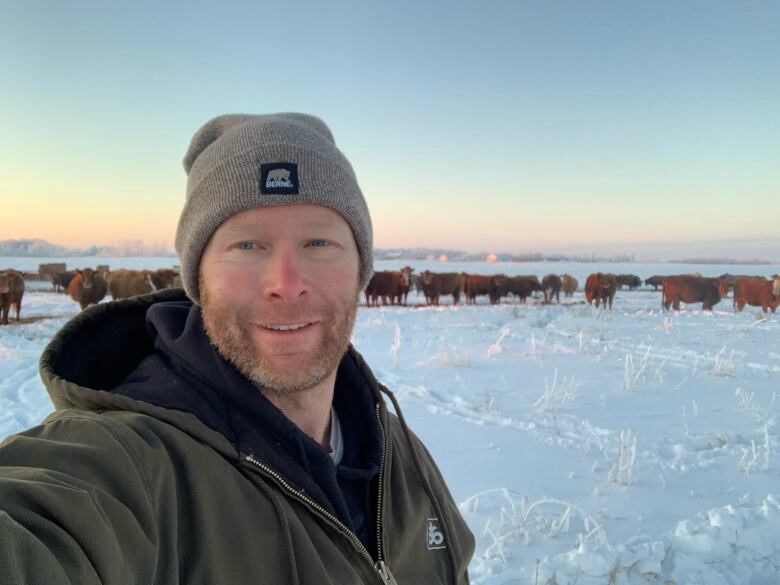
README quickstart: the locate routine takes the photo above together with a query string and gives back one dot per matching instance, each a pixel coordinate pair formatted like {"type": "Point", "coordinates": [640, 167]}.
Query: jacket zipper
{"type": "Point", "coordinates": [380, 566]}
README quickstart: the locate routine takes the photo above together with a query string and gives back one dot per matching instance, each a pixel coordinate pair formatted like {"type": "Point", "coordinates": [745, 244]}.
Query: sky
{"type": "Point", "coordinates": [480, 126]}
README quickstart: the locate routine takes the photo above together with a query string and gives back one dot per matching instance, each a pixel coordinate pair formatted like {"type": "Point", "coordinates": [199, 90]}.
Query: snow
{"type": "Point", "coordinates": [583, 446]}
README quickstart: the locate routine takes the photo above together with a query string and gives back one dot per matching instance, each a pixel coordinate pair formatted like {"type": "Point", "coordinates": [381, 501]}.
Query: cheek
{"type": "Point", "coordinates": [230, 286]}
{"type": "Point", "coordinates": [337, 281]}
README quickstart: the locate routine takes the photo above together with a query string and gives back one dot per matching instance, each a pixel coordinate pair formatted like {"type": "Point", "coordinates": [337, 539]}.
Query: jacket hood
{"type": "Point", "coordinates": [100, 347]}
{"type": "Point", "coordinates": [89, 362]}
{"type": "Point", "coordinates": [151, 355]}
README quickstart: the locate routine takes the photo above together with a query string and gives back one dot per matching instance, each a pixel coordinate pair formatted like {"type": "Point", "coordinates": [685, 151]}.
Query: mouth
{"type": "Point", "coordinates": [287, 327]}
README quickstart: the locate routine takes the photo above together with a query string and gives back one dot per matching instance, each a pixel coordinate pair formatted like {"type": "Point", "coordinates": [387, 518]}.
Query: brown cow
{"type": "Point", "coordinates": [163, 278]}
{"type": "Point", "coordinates": [569, 285]}
{"type": "Point", "coordinates": [124, 283]}
{"type": "Point", "coordinates": [632, 281]}
{"type": "Point", "coordinates": [87, 288]}
{"type": "Point", "coordinates": [757, 292]}
{"type": "Point", "coordinates": [655, 281]}
{"type": "Point", "coordinates": [600, 289]}
{"type": "Point", "coordinates": [50, 271]}
{"type": "Point", "coordinates": [386, 284]}
{"type": "Point", "coordinates": [731, 279]}
{"type": "Point", "coordinates": [61, 280]}
{"type": "Point", "coordinates": [776, 285]}
{"type": "Point", "coordinates": [434, 285]}
{"type": "Point", "coordinates": [11, 293]}
{"type": "Point", "coordinates": [520, 286]}
{"type": "Point", "coordinates": [692, 289]}
{"type": "Point", "coordinates": [551, 285]}
{"type": "Point", "coordinates": [406, 273]}
{"type": "Point", "coordinates": [477, 285]}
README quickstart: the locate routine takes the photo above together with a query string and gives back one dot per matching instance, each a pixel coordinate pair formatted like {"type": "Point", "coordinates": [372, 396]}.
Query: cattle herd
{"type": "Point", "coordinates": [393, 286]}
{"type": "Point", "coordinates": [87, 287]}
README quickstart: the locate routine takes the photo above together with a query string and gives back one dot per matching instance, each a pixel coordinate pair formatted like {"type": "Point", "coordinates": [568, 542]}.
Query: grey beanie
{"type": "Point", "coordinates": [240, 161]}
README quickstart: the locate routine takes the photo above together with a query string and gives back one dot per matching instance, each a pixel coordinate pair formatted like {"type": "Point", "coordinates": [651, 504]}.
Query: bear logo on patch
{"type": "Point", "coordinates": [279, 179]}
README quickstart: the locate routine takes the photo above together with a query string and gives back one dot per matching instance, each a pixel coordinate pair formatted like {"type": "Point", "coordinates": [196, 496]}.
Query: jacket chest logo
{"type": "Point", "coordinates": [434, 536]}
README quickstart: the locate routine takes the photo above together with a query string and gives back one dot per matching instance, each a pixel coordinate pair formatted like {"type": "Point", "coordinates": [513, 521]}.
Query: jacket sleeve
{"type": "Point", "coordinates": [75, 506]}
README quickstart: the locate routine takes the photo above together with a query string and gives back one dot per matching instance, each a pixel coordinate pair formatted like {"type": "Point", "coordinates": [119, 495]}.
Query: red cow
{"type": "Point", "coordinates": [387, 284]}
{"type": "Point", "coordinates": [87, 288]}
{"type": "Point", "coordinates": [757, 292]}
{"type": "Point", "coordinates": [434, 285]}
{"type": "Point", "coordinates": [693, 289]}
{"type": "Point", "coordinates": [163, 278]}
{"type": "Point", "coordinates": [11, 292]}
{"type": "Point", "coordinates": [406, 273]}
{"type": "Point", "coordinates": [124, 283]}
{"type": "Point", "coordinates": [475, 285]}
{"type": "Point", "coordinates": [600, 289]}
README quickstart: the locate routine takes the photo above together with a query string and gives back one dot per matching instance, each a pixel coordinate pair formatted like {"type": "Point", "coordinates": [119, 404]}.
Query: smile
{"type": "Point", "coordinates": [291, 327]}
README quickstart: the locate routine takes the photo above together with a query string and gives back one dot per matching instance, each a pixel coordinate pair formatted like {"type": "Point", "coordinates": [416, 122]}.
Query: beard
{"type": "Point", "coordinates": [230, 331]}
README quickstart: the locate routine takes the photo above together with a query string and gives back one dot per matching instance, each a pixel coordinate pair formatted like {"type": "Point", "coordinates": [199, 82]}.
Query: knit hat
{"type": "Point", "coordinates": [240, 161]}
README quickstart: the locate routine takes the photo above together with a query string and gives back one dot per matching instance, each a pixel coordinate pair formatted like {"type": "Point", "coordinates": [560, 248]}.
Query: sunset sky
{"type": "Point", "coordinates": [498, 126]}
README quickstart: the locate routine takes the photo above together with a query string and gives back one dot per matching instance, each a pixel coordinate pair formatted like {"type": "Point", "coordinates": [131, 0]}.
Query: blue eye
{"type": "Point", "coordinates": [246, 246]}
{"type": "Point", "coordinates": [318, 243]}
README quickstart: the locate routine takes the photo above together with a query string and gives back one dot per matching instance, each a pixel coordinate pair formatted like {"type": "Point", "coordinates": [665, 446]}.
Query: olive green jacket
{"type": "Point", "coordinates": [118, 491]}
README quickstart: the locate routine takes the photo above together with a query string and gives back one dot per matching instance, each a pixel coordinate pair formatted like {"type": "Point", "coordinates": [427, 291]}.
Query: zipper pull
{"type": "Point", "coordinates": [384, 572]}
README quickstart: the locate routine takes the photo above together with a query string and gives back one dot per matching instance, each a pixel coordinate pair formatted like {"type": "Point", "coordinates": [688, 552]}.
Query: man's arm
{"type": "Point", "coordinates": [75, 506]}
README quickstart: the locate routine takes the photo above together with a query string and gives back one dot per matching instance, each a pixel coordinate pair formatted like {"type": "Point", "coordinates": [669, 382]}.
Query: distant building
{"type": "Point", "coordinates": [430, 257]}
{"type": "Point", "coordinates": [443, 258]}
{"type": "Point", "coordinates": [491, 258]}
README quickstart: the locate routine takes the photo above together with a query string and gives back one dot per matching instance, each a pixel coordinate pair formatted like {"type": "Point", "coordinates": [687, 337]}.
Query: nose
{"type": "Point", "coordinates": [284, 277]}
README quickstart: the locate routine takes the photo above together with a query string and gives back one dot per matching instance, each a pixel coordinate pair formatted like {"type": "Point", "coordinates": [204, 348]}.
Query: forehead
{"type": "Point", "coordinates": [286, 217]}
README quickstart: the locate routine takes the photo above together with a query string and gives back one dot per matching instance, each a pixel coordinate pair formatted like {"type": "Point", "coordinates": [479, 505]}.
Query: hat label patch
{"type": "Point", "coordinates": [279, 179]}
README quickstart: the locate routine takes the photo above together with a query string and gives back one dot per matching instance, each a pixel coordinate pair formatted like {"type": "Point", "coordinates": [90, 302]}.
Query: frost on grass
{"type": "Point", "coordinates": [622, 470]}
{"type": "Point", "coordinates": [633, 373]}
{"type": "Point", "coordinates": [757, 457]}
{"type": "Point", "coordinates": [557, 393]}
{"type": "Point", "coordinates": [723, 365]}
{"type": "Point", "coordinates": [747, 402]}
{"type": "Point", "coordinates": [449, 355]}
{"type": "Point", "coordinates": [511, 523]}
{"type": "Point", "coordinates": [395, 348]}
{"type": "Point", "coordinates": [496, 348]}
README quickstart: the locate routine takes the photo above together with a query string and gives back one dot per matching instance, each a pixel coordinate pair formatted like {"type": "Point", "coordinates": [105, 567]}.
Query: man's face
{"type": "Point", "coordinates": [279, 293]}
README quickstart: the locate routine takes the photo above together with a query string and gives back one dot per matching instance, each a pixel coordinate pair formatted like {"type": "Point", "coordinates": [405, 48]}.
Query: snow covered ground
{"type": "Point", "coordinates": [584, 446]}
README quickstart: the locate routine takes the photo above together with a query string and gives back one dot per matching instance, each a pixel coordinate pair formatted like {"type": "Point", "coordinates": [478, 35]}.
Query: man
{"type": "Point", "coordinates": [232, 435]}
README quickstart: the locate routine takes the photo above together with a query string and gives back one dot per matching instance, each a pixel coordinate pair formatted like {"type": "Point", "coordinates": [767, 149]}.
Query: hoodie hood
{"type": "Point", "coordinates": [150, 354]}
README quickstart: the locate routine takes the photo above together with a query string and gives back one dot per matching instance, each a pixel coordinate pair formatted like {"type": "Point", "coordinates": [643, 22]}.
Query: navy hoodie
{"type": "Point", "coordinates": [186, 373]}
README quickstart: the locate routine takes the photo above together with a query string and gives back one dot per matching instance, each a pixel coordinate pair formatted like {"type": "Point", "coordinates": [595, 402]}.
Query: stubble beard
{"type": "Point", "coordinates": [229, 331]}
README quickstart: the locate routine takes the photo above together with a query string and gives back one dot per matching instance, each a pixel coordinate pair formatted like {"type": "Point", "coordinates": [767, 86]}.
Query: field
{"type": "Point", "coordinates": [584, 446]}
